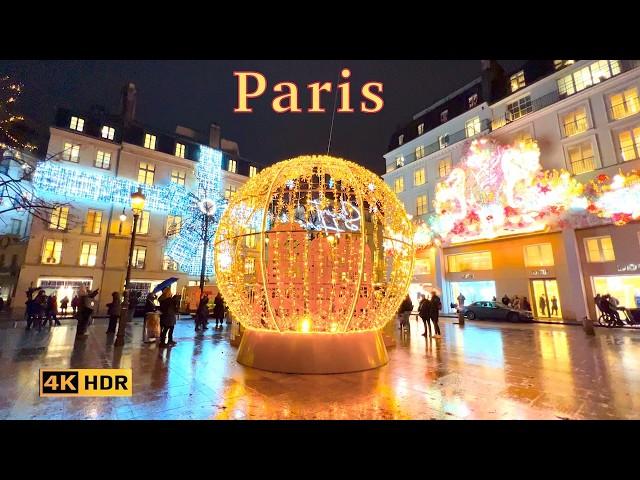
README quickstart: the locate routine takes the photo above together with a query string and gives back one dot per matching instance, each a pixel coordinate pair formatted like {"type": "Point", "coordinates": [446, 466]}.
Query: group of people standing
{"type": "Point", "coordinates": [517, 302]}
{"type": "Point", "coordinates": [202, 313]}
{"type": "Point", "coordinates": [609, 306]}
{"type": "Point", "coordinates": [428, 310]}
{"type": "Point", "coordinates": [43, 309]}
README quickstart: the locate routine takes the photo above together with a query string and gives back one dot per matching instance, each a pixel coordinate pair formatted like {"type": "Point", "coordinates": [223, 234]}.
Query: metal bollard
{"type": "Point", "coordinates": [587, 325]}
{"type": "Point", "coordinates": [460, 318]}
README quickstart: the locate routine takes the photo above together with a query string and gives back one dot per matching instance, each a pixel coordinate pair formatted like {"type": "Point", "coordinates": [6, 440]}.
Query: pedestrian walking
{"type": "Point", "coordinates": [64, 303]}
{"type": "Point", "coordinates": [554, 306]}
{"type": "Point", "coordinates": [51, 314]}
{"type": "Point", "coordinates": [461, 298]}
{"type": "Point", "coordinates": [168, 309]}
{"type": "Point", "coordinates": [423, 312]}
{"type": "Point", "coordinates": [406, 307]}
{"type": "Point", "coordinates": [36, 308]}
{"type": "Point", "coordinates": [85, 309]}
{"type": "Point", "coordinates": [202, 313]}
{"type": "Point", "coordinates": [75, 302]}
{"type": "Point", "coordinates": [113, 310]}
{"type": "Point", "coordinates": [218, 309]}
{"type": "Point", "coordinates": [434, 312]}
{"type": "Point", "coordinates": [543, 304]}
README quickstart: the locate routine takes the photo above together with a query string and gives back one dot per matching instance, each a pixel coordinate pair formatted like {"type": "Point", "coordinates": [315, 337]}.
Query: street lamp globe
{"type": "Point", "coordinates": [137, 201]}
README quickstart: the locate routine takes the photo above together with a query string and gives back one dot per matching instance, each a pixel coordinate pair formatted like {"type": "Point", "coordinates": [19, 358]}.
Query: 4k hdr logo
{"type": "Point", "coordinates": [86, 382]}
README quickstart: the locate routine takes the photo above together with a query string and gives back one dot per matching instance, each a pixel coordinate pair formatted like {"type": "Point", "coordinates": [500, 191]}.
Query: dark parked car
{"type": "Point", "coordinates": [496, 311]}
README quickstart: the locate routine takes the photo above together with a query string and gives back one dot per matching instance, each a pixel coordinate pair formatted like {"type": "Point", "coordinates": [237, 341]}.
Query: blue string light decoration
{"type": "Point", "coordinates": [184, 247]}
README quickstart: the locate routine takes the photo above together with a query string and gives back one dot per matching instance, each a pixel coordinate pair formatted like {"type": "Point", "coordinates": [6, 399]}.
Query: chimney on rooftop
{"type": "Point", "coordinates": [215, 136]}
{"type": "Point", "coordinates": [493, 80]}
{"type": "Point", "coordinates": [129, 94]}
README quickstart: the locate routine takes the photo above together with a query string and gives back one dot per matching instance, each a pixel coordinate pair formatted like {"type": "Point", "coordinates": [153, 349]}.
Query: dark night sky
{"type": "Point", "coordinates": [196, 93]}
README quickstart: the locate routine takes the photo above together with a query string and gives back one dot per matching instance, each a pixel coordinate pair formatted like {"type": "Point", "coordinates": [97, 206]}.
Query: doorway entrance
{"type": "Point", "coordinates": [546, 298]}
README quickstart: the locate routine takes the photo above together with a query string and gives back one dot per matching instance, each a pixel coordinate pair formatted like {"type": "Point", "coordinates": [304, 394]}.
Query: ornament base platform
{"type": "Point", "coordinates": [312, 353]}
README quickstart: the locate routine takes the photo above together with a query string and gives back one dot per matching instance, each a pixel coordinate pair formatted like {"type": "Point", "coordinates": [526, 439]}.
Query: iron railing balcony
{"type": "Point", "coordinates": [630, 106]}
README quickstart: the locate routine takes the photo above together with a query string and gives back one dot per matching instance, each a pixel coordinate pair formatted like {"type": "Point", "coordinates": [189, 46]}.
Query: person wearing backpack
{"type": "Point", "coordinates": [434, 312]}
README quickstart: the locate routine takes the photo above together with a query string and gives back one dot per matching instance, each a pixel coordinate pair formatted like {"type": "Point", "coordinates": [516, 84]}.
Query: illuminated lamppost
{"type": "Point", "coordinates": [137, 206]}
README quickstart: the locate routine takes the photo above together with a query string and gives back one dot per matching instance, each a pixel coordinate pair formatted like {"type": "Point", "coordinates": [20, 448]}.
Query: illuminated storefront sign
{"type": "Point", "coordinates": [630, 267]}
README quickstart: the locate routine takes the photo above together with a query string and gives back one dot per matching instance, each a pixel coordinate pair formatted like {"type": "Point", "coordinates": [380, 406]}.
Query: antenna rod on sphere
{"type": "Point", "coordinates": [333, 116]}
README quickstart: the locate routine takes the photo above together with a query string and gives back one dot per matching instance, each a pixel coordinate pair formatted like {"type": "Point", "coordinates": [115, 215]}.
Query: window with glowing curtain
{"type": "Point", "coordinates": [419, 151]}
{"type": "Point", "coordinates": [253, 171]}
{"type": "Point", "coordinates": [421, 205]}
{"type": "Point", "coordinates": [180, 150]}
{"type": "Point", "coordinates": [52, 251]}
{"type": "Point", "coordinates": [178, 176]}
{"type": "Point", "coordinates": [588, 76]}
{"type": "Point", "coordinates": [108, 132]}
{"type": "Point", "coordinates": [538, 255]}
{"type": "Point", "coordinates": [77, 124]}
{"type": "Point", "coordinates": [103, 160]}
{"type": "Point", "coordinates": [581, 158]}
{"type": "Point", "coordinates": [472, 127]}
{"type": "Point", "coordinates": [599, 249]}
{"type": "Point", "coordinates": [94, 221]}
{"type": "Point", "coordinates": [88, 254]}
{"type": "Point", "coordinates": [149, 141]}
{"type": "Point", "coordinates": [519, 108]}
{"type": "Point", "coordinates": [143, 223]}
{"type": "Point", "coordinates": [229, 190]}
{"type": "Point", "coordinates": [71, 152]}
{"type": "Point", "coordinates": [139, 257]}
{"type": "Point", "coordinates": [418, 177]}
{"type": "Point", "coordinates": [575, 122]}
{"type": "Point", "coordinates": [398, 185]}
{"type": "Point", "coordinates": [146, 173]}
{"type": "Point", "coordinates": [444, 167]}
{"type": "Point", "coordinates": [624, 104]}
{"type": "Point", "coordinates": [517, 81]}
{"type": "Point", "coordinates": [59, 217]}
{"type": "Point", "coordinates": [472, 261]}
{"type": "Point", "coordinates": [232, 166]}
{"type": "Point", "coordinates": [630, 143]}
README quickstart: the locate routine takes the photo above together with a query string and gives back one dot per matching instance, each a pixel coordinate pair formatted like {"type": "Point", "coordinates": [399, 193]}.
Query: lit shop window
{"type": "Point", "coordinates": [399, 161]}
{"type": "Point", "coordinates": [575, 122]}
{"type": "Point", "coordinates": [581, 159]}
{"type": "Point", "coordinates": [52, 252]}
{"type": "Point", "coordinates": [59, 217]}
{"type": "Point", "coordinates": [103, 160]}
{"type": "Point", "coordinates": [624, 103]}
{"type": "Point", "coordinates": [419, 151]}
{"type": "Point", "coordinates": [94, 221]}
{"type": "Point", "coordinates": [473, 261]}
{"type": "Point", "coordinates": [108, 132]}
{"type": "Point", "coordinates": [398, 185]}
{"type": "Point", "coordinates": [444, 167]}
{"type": "Point", "coordinates": [473, 100]}
{"type": "Point", "coordinates": [88, 254]}
{"type": "Point", "coordinates": [421, 129]}
{"type": "Point", "coordinates": [149, 141]}
{"type": "Point", "coordinates": [421, 205]}
{"type": "Point", "coordinates": [400, 140]}
{"type": "Point", "coordinates": [253, 171]}
{"type": "Point", "coordinates": [599, 249]}
{"type": "Point", "coordinates": [139, 257]}
{"type": "Point", "coordinates": [146, 173]}
{"type": "Point", "coordinates": [422, 266]}
{"type": "Point", "coordinates": [179, 150]}
{"type": "Point", "coordinates": [539, 255]}
{"type": "Point", "coordinates": [418, 177]}
{"type": "Point", "coordinates": [630, 143]}
{"type": "Point", "coordinates": [519, 108]}
{"type": "Point", "coordinates": [77, 124]}
{"type": "Point", "coordinates": [178, 176]}
{"type": "Point", "coordinates": [71, 152]}
{"type": "Point", "coordinates": [472, 127]}
{"type": "Point", "coordinates": [517, 81]}
{"type": "Point", "coordinates": [174, 224]}
{"type": "Point", "coordinates": [233, 166]}
{"type": "Point", "coordinates": [559, 64]}
{"type": "Point", "coordinates": [230, 190]}
{"type": "Point", "coordinates": [590, 75]}
{"type": "Point", "coordinates": [169, 264]}
{"type": "Point", "coordinates": [143, 223]}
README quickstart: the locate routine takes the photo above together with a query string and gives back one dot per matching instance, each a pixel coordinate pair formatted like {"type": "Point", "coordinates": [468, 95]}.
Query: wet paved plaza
{"type": "Point", "coordinates": [484, 370]}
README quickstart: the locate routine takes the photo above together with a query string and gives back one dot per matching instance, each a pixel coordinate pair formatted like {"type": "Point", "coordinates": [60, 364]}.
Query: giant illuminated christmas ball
{"type": "Point", "coordinates": [314, 256]}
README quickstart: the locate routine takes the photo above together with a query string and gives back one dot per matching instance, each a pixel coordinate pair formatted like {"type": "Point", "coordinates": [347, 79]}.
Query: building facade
{"type": "Point", "coordinates": [584, 116]}
{"type": "Point", "coordinates": [86, 242]}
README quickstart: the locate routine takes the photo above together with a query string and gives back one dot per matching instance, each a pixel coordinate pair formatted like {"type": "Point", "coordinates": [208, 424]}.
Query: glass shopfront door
{"type": "Point", "coordinates": [546, 298]}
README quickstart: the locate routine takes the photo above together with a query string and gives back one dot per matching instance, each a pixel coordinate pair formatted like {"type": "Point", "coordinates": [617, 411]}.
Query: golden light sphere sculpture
{"type": "Point", "coordinates": [314, 256]}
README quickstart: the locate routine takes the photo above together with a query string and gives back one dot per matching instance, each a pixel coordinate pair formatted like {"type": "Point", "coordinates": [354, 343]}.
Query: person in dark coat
{"type": "Point", "coordinates": [525, 304]}
{"type": "Point", "coordinates": [218, 309]}
{"type": "Point", "coordinates": [75, 302]}
{"type": "Point", "coordinates": [64, 303]}
{"type": "Point", "coordinates": [506, 300]}
{"type": "Point", "coordinates": [202, 313]}
{"type": "Point", "coordinates": [51, 314]}
{"type": "Point", "coordinates": [168, 310]}
{"type": "Point", "coordinates": [406, 307]}
{"type": "Point", "coordinates": [150, 304]}
{"type": "Point", "coordinates": [434, 312]}
{"type": "Point", "coordinates": [36, 310]}
{"type": "Point", "coordinates": [423, 311]}
{"type": "Point", "coordinates": [1, 304]}
{"type": "Point", "coordinates": [113, 310]}
{"type": "Point", "coordinates": [85, 309]}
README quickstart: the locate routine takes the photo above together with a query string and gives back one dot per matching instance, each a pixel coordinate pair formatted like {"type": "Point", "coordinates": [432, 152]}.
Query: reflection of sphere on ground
{"type": "Point", "coordinates": [314, 244]}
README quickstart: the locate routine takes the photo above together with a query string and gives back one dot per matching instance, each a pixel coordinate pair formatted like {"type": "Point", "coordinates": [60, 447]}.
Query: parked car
{"type": "Point", "coordinates": [496, 311]}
